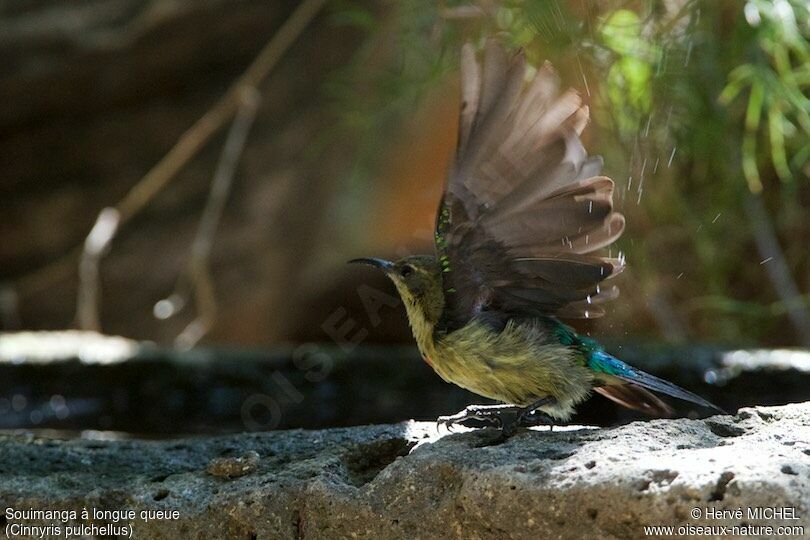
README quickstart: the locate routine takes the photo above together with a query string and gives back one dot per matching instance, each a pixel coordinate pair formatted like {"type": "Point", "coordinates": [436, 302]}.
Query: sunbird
{"type": "Point", "coordinates": [523, 213]}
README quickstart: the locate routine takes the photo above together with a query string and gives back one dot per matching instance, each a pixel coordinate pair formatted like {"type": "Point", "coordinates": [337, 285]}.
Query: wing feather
{"type": "Point", "coordinates": [470, 93]}
{"type": "Point", "coordinates": [525, 207]}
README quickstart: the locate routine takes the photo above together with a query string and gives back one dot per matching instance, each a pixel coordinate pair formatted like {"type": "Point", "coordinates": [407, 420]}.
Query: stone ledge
{"type": "Point", "coordinates": [405, 481]}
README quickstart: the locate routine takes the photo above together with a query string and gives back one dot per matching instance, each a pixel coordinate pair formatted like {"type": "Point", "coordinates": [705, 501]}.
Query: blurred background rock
{"type": "Point", "coordinates": [699, 108]}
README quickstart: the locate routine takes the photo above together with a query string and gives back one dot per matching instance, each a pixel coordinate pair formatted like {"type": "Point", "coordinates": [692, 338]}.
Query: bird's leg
{"type": "Point", "coordinates": [487, 413]}
{"type": "Point", "coordinates": [530, 416]}
{"type": "Point", "coordinates": [538, 418]}
{"type": "Point", "coordinates": [526, 417]}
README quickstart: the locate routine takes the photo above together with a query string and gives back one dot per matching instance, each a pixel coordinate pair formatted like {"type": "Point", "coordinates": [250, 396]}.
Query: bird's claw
{"type": "Point", "coordinates": [445, 421]}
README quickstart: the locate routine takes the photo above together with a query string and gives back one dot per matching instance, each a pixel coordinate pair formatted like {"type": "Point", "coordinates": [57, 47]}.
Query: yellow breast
{"type": "Point", "coordinates": [518, 365]}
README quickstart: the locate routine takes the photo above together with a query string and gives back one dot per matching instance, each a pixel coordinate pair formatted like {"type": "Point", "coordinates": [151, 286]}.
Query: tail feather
{"type": "Point", "coordinates": [602, 362]}
{"type": "Point", "coordinates": [652, 382]}
{"type": "Point", "coordinates": [635, 397]}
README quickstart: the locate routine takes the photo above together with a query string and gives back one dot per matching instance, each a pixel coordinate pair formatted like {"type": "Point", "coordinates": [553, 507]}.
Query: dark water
{"type": "Point", "coordinates": [160, 393]}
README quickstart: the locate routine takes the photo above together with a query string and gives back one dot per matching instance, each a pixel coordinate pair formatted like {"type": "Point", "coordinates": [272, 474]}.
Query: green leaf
{"type": "Point", "coordinates": [778, 154]}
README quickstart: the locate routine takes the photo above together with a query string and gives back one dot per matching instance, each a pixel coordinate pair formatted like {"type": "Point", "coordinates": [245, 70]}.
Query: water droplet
{"type": "Point", "coordinates": [688, 54]}
{"type": "Point", "coordinates": [168, 307]}
{"type": "Point", "coordinates": [57, 401]}
{"type": "Point", "coordinates": [660, 67]}
{"type": "Point", "coordinates": [669, 117]}
{"type": "Point", "coordinates": [584, 79]}
{"type": "Point", "coordinates": [672, 156]}
{"type": "Point", "coordinates": [18, 402]}
{"type": "Point", "coordinates": [163, 309]}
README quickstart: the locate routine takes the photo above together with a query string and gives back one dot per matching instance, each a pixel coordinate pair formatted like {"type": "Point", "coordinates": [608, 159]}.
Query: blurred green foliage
{"type": "Point", "coordinates": [778, 80]}
{"type": "Point", "coordinates": [700, 109]}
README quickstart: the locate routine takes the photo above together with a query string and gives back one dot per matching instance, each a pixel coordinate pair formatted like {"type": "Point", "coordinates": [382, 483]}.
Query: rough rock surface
{"type": "Point", "coordinates": [405, 481]}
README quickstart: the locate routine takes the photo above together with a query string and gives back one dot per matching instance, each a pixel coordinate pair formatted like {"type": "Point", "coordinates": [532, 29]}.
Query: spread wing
{"type": "Point", "coordinates": [524, 208]}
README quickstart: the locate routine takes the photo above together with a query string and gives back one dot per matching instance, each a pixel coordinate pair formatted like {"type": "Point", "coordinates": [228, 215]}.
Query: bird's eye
{"type": "Point", "coordinates": [406, 271]}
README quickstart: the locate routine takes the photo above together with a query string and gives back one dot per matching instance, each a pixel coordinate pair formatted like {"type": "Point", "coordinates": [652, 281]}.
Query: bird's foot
{"type": "Point", "coordinates": [535, 418]}
{"type": "Point", "coordinates": [528, 416]}
{"type": "Point", "coordinates": [524, 419]}
{"type": "Point", "coordinates": [509, 418]}
{"type": "Point", "coordinates": [492, 414]}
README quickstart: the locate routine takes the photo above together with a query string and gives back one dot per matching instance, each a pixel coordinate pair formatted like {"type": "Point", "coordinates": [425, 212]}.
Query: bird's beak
{"type": "Point", "coordinates": [382, 264]}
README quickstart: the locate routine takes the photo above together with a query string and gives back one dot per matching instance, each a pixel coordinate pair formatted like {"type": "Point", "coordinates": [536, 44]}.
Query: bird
{"type": "Point", "coordinates": [523, 217]}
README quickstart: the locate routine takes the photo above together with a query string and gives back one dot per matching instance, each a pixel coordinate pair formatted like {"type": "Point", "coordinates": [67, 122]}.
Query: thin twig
{"type": "Point", "coordinates": [9, 308]}
{"type": "Point", "coordinates": [199, 269]}
{"type": "Point", "coordinates": [96, 245]}
{"type": "Point", "coordinates": [190, 143]}
{"type": "Point", "coordinates": [777, 268]}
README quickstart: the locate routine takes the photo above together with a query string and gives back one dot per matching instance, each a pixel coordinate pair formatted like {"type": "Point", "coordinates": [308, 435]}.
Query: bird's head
{"type": "Point", "coordinates": [418, 279]}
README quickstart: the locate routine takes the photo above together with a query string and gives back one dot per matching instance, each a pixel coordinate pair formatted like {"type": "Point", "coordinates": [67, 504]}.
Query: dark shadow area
{"type": "Point", "coordinates": [158, 393]}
